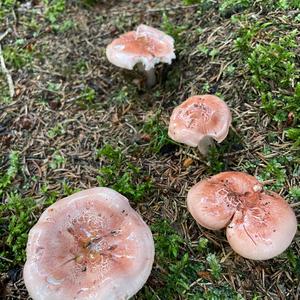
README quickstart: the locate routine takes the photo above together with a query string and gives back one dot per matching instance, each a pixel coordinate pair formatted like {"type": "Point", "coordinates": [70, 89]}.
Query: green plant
{"type": "Point", "coordinates": [88, 94]}
{"type": "Point", "coordinates": [273, 70]}
{"type": "Point", "coordinates": [230, 70]}
{"type": "Point", "coordinates": [221, 292]}
{"type": "Point", "coordinates": [178, 270]}
{"type": "Point", "coordinates": [120, 22]}
{"type": "Point", "coordinates": [34, 25]}
{"type": "Point", "coordinates": [229, 7]}
{"type": "Point", "coordinates": [203, 4]}
{"type": "Point", "coordinates": [64, 26]}
{"type": "Point", "coordinates": [89, 3]}
{"type": "Point", "coordinates": [172, 29]}
{"type": "Point", "coordinates": [272, 67]}
{"type": "Point", "coordinates": [294, 261]}
{"type": "Point", "coordinates": [295, 192]}
{"type": "Point", "coordinates": [215, 267]}
{"type": "Point", "coordinates": [202, 48]}
{"type": "Point", "coordinates": [286, 4]}
{"type": "Point", "coordinates": [55, 131]}
{"type": "Point", "coordinates": [54, 8]}
{"type": "Point", "coordinates": [57, 161]}
{"type": "Point", "coordinates": [167, 240]}
{"type": "Point", "coordinates": [249, 166]}
{"type": "Point", "coordinates": [53, 14]}
{"type": "Point", "coordinates": [81, 66]}
{"type": "Point", "coordinates": [294, 134]}
{"type": "Point", "coordinates": [67, 190]}
{"type": "Point", "coordinates": [125, 95]}
{"type": "Point", "coordinates": [8, 3]}
{"type": "Point", "coordinates": [158, 133]}
{"type": "Point", "coordinates": [53, 87]}
{"type": "Point", "coordinates": [203, 242]}
{"type": "Point", "coordinates": [16, 219]}
{"type": "Point", "coordinates": [16, 56]}
{"type": "Point", "coordinates": [7, 178]}
{"type": "Point", "coordinates": [188, 2]}
{"type": "Point", "coordinates": [49, 197]}
{"type": "Point", "coordinates": [215, 160]}
{"type": "Point", "coordinates": [273, 63]}
{"type": "Point", "coordinates": [274, 170]}
{"type": "Point", "coordinates": [121, 175]}
{"type": "Point", "coordinates": [246, 34]}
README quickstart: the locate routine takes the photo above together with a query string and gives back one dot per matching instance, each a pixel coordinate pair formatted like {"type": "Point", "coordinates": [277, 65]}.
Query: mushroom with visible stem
{"type": "Point", "coordinates": [200, 120]}
{"type": "Point", "coordinates": [145, 48]}
{"type": "Point", "coordinates": [259, 224]}
{"type": "Point", "coordinates": [90, 245]}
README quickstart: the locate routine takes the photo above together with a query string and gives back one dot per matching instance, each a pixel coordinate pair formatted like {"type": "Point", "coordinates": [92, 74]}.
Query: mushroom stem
{"type": "Point", "coordinates": [204, 144]}
{"type": "Point", "coordinates": [151, 78]}
{"type": "Point", "coordinates": [150, 75]}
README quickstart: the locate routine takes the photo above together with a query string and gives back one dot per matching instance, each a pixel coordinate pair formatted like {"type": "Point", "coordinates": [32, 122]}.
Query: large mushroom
{"type": "Point", "coordinates": [144, 47]}
{"type": "Point", "coordinates": [259, 224]}
{"type": "Point", "coordinates": [90, 245]}
{"type": "Point", "coordinates": [199, 120]}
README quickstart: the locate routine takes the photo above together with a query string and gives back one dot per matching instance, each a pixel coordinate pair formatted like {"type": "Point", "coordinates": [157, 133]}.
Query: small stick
{"type": "Point", "coordinates": [192, 156]}
{"type": "Point", "coordinates": [6, 259]}
{"type": "Point", "coordinates": [4, 69]}
{"type": "Point", "coordinates": [4, 34]}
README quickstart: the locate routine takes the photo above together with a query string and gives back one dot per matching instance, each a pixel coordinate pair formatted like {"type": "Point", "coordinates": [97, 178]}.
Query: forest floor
{"type": "Point", "coordinates": [76, 121]}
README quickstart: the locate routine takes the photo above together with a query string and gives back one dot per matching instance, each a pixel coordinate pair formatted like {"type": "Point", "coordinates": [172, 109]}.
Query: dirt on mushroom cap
{"type": "Point", "coordinates": [200, 116]}
{"type": "Point", "coordinates": [260, 225]}
{"type": "Point", "coordinates": [264, 230]}
{"type": "Point", "coordinates": [87, 246]}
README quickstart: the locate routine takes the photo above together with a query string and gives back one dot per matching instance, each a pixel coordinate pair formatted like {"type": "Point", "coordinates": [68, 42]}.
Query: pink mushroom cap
{"type": "Point", "coordinates": [259, 224]}
{"type": "Point", "coordinates": [90, 245]}
{"type": "Point", "coordinates": [146, 45]}
{"type": "Point", "coordinates": [198, 117]}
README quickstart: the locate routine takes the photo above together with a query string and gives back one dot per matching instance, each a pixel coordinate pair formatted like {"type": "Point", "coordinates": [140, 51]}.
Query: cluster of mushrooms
{"type": "Point", "coordinates": [93, 245]}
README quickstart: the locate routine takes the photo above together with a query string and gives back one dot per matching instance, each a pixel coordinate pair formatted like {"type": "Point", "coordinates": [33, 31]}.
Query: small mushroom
{"type": "Point", "coordinates": [259, 224]}
{"type": "Point", "coordinates": [146, 47]}
{"type": "Point", "coordinates": [90, 245]}
{"type": "Point", "coordinates": [199, 120]}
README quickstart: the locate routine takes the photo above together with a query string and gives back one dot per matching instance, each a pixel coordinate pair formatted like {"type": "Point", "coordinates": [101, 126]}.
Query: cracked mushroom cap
{"type": "Point", "coordinates": [259, 224]}
{"type": "Point", "coordinates": [198, 117]}
{"type": "Point", "coordinates": [91, 245]}
{"type": "Point", "coordinates": [146, 45]}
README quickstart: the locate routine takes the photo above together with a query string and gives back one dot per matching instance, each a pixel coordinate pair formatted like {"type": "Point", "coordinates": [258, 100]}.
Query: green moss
{"type": "Point", "coordinates": [16, 219]}
{"type": "Point", "coordinates": [7, 178]}
{"type": "Point", "coordinates": [122, 175]}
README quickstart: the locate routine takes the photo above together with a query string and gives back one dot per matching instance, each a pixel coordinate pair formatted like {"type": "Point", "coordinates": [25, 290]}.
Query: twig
{"type": "Point", "coordinates": [5, 34]}
{"type": "Point", "coordinates": [8, 106]}
{"type": "Point", "coordinates": [235, 152]}
{"type": "Point", "coordinates": [6, 259]}
{"type": "Point", "coordinates": [295, 204]}
{"type": "Point", "coordinates": [4, 69]}
{"type": "Point", "coordinates": [192, 156]}
{"type": "Point", "coordinates": [75, 98]}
